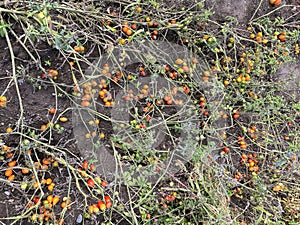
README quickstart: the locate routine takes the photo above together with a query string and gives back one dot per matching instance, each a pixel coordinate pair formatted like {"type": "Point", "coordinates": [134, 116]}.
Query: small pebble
{"type": "Point", "coordinates": [79, 219]}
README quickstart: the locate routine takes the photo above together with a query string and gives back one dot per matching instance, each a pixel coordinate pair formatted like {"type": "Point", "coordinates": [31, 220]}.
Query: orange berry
{"type": "Point", "coordinates": [25, 170]}
{"type": "Point", "coordinates": [52, 111]}
{"type": "Point", "coordinates": [50, 198]}
{"type": "Point", "coordinates": [275, 2]}
{"type": "Point", "coordinates": [259, 34]}
{"type": "Point", "coordinates": [8, 172]}
{"type": "Point", "coordinates": [122, 41]}
{"type": "Point", "coordinates": [101, 205]}
{"type": "Point", "coordinates": [9, 130]}
{"type": "Point", "coordinates": [138, 9]}
{"type": "Point", "coordinates": [43, 127]}
{"type": "Point", "coordinates": [282, 38]}
{"type": "Point", "coordinates": [12, 163]}
{"type": "Point", "coordinates": [11, 177]}
{"type": "Point", "coordinates": [46, 161]}
{"type": "Point", "coordinates": [63, 205]}
{"type": "Point", "coordinates": [104, 183]}
{"type": "Point", "coordinates": [236, 115]}
{"type": "Point", "coordinates": [49, 181]}
{"type": "Point", "coordinates": [55, 200]}
{"type": "Point", "coordinates": [244, 156]}
{"type": "Point", "coordinates": [3, 101]}
{"type": "Point", "coordinates": [91, 209]}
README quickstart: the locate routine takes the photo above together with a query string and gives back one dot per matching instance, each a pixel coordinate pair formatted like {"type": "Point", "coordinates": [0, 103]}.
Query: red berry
{"type": "Point", "coordinates": [226, 150]}
{"type": "Point", "coordinates": [104, 183]}
{"type": "Point", "coordinates": [236, 116]}
{"type": "Point", "coordinates": [108, 205]}
{"type": "Point", "coordinates": [36, 200]}
{"type": "Point", "coordinates": [85, 165]}
{"type": "Point", "coordinates": [91, 183]}
{"type": "Point", "coordinates": [107, 198]}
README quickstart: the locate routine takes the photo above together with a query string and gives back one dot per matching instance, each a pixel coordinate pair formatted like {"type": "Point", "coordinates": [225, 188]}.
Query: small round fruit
{"type": "Point", "coordinates": [40, 15]}
{"type": "Point", "coordinates": [101, 205]}
{"type": "Point", "coordinates": [91, 183]}
{"type": "Point", "coordinates": [25, 170]}
{"type": "Point", "coordinates": [104, 183]}
{"type": "Point", "coordinates": [282, 38]}
{"type": "Point", "coordinates": [9, 130]}
{"type": "Point", "coordinates": [48, 181]}
{"type": "Point", "coordinates": [236, 115]}
{"type": "Point", "coordinates": [50, 198]}
{"type": "Point", "coordinates": [129, 32]}
{"type": "Point", "coordinates": [55, 200]}
{"type": "Point", "coordinates": [52, 111]}
{"type": "Point", "coordinates": [92, 167]}
{"type": "Point", "coordinates": [63, 119]}
{"type": "Point", "coordinates": [12, 163]}
{"type": "Point", "coordinates": [91, 209]}
{"type": "Point", "coordinates": [96, 210]}
{"type": "Point", "coordinates": [226, 149]}
{"type": "Point", "coordinates": [108, 205]}
{"type": "Point", "coordinates": [107, 198]}
{"type": "Point", "coordinates": [63, 205]}
{"type": "Point", "coordinates": [8, 172]}
{"type": "Point", "coordinates": [138, 9]}
{"type": "Point", "coordinates": [275, 2]}
{"type": "Point", "coordinates": [85, 165]}
{"type": "Point", "coordinates": [11, 177]}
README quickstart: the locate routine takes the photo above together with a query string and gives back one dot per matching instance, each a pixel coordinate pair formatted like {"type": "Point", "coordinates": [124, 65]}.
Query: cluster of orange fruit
{"type": "Point", "coordinates": [52, 73]}
{"type": "Point", "coordinates": [241, 142]}
{"type": "Point", "coordinates": [250, 161]}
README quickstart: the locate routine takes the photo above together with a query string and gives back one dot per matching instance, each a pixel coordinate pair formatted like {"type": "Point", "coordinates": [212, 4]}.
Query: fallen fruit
{"type": "Point", "coordinates": [55, 200]}
{"type": "Point", "coordinates": [275, 2]}
{"type": "Point", "coordinates": [107, 198]}
{"type": "Point", "coordinates": [91, 209]}
{"type": "Point", "coordinates": [12, 163]}
{"type": "Point", "coordinates": [63, 205]}
{"type": "Point", "coordinates": [101, 205]}
{"type": "Point", "coordinates": [281, 37]}
{"type": "Point", "coordinates": [91, 183]}
{"type": "Point", "coordinates": [50, 198]}
{"type": "Point", "coordinates": [108, 205]}
{"type": "Point", "coordinates": [52, 111]}
{"type": "Point", "coordinates": [9, 130]}
{"type": "Point", "coordinates": [85, 165]}
{"type": "Point", "coordinates": [104, 183]}
{"type": "Point", "coordinates": [236, 115]}
{"type": "Point", "coordinates": [3, 101]}
{"type": "Point", "coordinates": [8, 172]}
{"type": "Point", "coordinates": [92, 167]}
{"type": "Point", "coordinates": [63, 119]}
{"type": "Point", "coordinates": [25, 170]}
{"type": "Point", "coordinates": [11, 177]}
